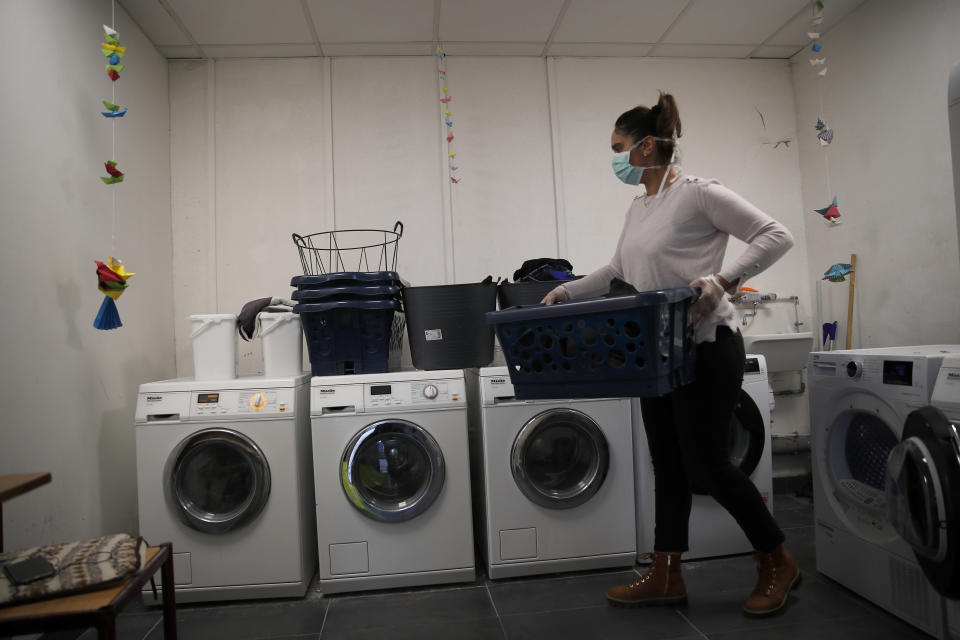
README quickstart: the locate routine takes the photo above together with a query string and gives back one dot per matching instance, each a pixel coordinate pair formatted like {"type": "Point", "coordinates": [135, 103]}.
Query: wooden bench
{"type": "Point", "coordinates": [99, 608]}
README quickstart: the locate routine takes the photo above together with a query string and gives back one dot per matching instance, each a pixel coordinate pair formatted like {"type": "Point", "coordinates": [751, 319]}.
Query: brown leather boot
{"type": "Point", "coordinates": [661, 584]}
{"type": "Point", "coordinates": [777, 574]}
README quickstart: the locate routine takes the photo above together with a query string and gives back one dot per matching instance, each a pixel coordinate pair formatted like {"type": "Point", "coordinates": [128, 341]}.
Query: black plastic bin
{"type": "Point", "coordinates": [635, 345]}
{"type": "Point", "coordinates": [446, 327]}
{"type": "Point", "coordinates": [517, 294]}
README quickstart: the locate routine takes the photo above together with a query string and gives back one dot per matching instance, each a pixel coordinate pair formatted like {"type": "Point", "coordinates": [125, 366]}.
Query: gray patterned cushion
{"type": "Point", "coordinates": [81, 566]}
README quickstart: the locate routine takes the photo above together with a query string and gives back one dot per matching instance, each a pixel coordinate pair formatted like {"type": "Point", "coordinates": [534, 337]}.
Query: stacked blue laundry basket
{"type": "Point", "coordinates": [353, 321]}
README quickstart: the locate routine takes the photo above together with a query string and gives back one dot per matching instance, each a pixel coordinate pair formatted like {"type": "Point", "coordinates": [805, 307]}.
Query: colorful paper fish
{"type": "Point", "coordinates": [837, 272]}
{"type": "Point", "coordinates": [830, 212]}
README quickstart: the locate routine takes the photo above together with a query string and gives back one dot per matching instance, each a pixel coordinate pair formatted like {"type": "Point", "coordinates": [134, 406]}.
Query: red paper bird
{"type": "Point", "coordinates": [449, 137]}
{"type": "Point", "coordinates": [446, 100]}
{"type": "Point", "coordinates": [454, 180]}
{"type": "Point", "coordinates": [112, 170]}
{"type": "Point", "coordinates": [113, 75]}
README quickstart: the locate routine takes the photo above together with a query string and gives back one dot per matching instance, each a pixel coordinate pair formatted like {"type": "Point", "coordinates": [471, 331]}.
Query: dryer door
{"type": "Point", "coordinates": [560, 458]}
{"type": "Point", "coordinates": [392, 470]}
{"type": "Point", "coordinates": [747, 434]}
{"type": "Point", "coordinates": [217, 480]}
{"type": "Point", "coordinates": [923, 495]}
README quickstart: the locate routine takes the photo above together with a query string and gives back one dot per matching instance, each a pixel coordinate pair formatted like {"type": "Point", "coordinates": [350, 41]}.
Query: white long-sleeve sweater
{"type": "Point", "coordinates": [671, 240]}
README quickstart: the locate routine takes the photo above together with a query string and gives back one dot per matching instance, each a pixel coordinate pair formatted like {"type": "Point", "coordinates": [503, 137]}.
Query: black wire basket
{"type": "Point", "coordinates": [349, 250]}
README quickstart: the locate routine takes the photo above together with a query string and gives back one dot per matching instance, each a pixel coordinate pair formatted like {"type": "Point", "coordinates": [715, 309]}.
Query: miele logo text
{"type": "Point", "coordinates": [327, 390]}
{"type": "Point", "coordinates": [498, 381]}
{"type": "Point", "coordinates": [154, 398]}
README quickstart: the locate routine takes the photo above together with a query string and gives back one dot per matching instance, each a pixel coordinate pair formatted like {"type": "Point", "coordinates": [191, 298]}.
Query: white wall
{"type": "Point", "coordinates": [68, 390]}
{"type": "Point", "coordinates": [885, 95]}
{"type": "Point", "coordinates": [532, 138]}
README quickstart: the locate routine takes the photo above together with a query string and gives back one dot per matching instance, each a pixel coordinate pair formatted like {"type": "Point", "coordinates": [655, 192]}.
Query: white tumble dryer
{"type": "Point", "coordinates": [859, 402]}
{"type": "Point", "coordinates": [224, 473]}
{"type": "Point", "coordinates": [392, 474]}
{"type": "Point", "coordinates": [712, 530]}
{"type": "Point", "coordinates": [553, 480]}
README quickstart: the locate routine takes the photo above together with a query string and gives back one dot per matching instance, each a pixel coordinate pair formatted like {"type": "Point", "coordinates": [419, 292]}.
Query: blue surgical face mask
{"type": "Point", "coordinates": [627, 173]}
{"type": "Point", "coordinates": [630, 174]}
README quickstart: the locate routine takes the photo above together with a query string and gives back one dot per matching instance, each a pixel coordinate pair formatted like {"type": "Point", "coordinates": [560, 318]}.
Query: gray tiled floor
{"type": "Point", "coordinates": [555, 607]}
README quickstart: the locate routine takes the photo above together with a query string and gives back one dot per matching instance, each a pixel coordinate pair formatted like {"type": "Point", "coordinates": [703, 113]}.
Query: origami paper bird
{"type": "Point", "coordinates": [830, 213]}
{"type": "Point", "coordinates": [443, 72]}
{"type": "Point", "coordinates": [113, 110]}
{"type": "Point", "coordinates": [837, 272]}
{"type": "Point", "coordinates": [113, 75]}
{"type": "Point", "coordinates": [452, 154]}
{"type": "Point", "coordinates": [112, 281]}
{"type": "Point", "coordinates": [819, 5]}
{"type": "Point", "coordinates": [453, 168]}
{"type": "Point", "coordinates": [817, 61]}
{"type": "Point", "coordinates": [446, 89]}
{"type": "Point", "coordinates": [110, 35]}
{"type": "Point", "coordinates": [825, 137]}
{"type": "Point", "coordinates": [440, 53]}
{"type": "Point", "coordinates": [447, 112]}
{"type": "Point", "coordinates": [449, 137]}
{"type": "Point", "coordinates": [115, 174]}
{"type": "Point", "coordinates": [446, 100]}
{"type": "Point", "coordinates": [822, 72]}
{"type": "Point", "coordinates": [455, 180]}
{"type": "Point", "coordinates": [816, 20]}
{"type": "Point", "coordinates": [448, 122]}
{"type": "Point", "coordinates": [816, 47]}
{"type": "Point", "coordinates": [813, 35]}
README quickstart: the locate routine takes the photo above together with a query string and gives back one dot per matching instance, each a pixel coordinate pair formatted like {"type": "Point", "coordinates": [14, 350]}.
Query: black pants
{"type": "Point", "coordinates": [688, 431]}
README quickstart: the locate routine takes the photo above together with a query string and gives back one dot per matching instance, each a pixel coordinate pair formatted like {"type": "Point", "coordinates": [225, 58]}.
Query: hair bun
{"type": "Point", "coordinates": [655, 110]}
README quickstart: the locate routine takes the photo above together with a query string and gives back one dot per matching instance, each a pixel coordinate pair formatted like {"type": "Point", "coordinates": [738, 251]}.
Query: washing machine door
{"type": "Point", "coordinates": [747, 434]}
{"type": "Point", "coordinates": [217, 480]}
{"type": "Point", "coordinates": [851, 457]}
{"type": "Point", "coordinates": [923, 495]}
{"type": "Point", "coordinates": [392, 470]}
{"type": "Point", "coordinates": [560, 459]}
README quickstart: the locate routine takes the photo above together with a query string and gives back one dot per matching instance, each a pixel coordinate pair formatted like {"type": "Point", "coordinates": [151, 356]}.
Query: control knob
{"type": "Point", "coordinates": [430, 392]}
{"type": "Point", "coordinates": [854, 369]}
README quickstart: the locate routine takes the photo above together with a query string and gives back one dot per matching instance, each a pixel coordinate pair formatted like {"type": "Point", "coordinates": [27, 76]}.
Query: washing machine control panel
{"type": "Point", "coordinates": [419, 393]}
{"type": "Point", "coordinates": [241, 402]}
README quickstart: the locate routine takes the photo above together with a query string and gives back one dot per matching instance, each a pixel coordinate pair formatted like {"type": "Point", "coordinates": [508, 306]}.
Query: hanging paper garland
{"type": "Point", "coordinates": [445, 99]}
{"type": "Point", "coordinates": [830, 213]}
{"type": "Point", "coordinates": [112, 277]}
{"type": "Point", "coordinates": [111, 280]}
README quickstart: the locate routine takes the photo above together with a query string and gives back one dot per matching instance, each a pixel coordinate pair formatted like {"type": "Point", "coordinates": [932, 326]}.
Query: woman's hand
{"type": "Point", "coordinates": [711, 292]}
{"type": "Point", "coordinates": [557, 294]}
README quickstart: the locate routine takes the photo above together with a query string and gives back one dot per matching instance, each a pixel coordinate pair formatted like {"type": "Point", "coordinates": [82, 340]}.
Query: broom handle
{"type": "Point", "coordinates": [853, 279]}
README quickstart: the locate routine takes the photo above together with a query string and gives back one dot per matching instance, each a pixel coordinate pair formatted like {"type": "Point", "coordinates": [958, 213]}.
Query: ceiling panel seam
{"type": "Point", "coordinates": [180, 25]}
{"type": "Point", "coordinates": [556, 26]}
{"type": "Point", "coordinates": [312, 27]}
{"type": "Point", "coordinates": [673, 24]}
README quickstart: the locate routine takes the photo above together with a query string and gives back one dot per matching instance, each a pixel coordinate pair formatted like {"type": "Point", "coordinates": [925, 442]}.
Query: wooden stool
{"type": "Point", "coordinates": [97, 608]}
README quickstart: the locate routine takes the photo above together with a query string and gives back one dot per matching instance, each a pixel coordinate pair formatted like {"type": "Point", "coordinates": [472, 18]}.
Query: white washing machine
{"type": "Point", "coordinates": [859, 401]}
{"type": "Point", "coordinates": [392, 474]}
{"type": "Point", "coordinates": [553, 480]}
{"type": "Point", "coordinates": [712, 530]}
{"type": "Point", "coordinates": [923, 492]}
{"type": "Point", "coordinates": [224, 473]}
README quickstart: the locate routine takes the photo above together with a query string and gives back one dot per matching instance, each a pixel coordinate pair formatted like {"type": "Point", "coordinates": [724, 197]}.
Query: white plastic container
{"type": "Point", "coordinates": [214, 346]}
{"type": "Point", "coordinates": [282, 338]}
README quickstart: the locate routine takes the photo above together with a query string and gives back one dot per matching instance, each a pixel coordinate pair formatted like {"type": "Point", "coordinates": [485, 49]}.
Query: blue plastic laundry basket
{"type": "Point", "coordinates": [635, 345]}
{"type": "Point", "coordinates": [350, 292]}
{"type": "Point", "coordinates": [346, 278]}
{"type": "Point", "coordinates": [352, 336]}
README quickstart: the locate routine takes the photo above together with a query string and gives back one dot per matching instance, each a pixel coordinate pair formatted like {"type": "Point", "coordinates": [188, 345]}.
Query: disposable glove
{"type": "Point", "coordinates": [711, 292]}
{"type": "Point", "coordinates": [557, 294]}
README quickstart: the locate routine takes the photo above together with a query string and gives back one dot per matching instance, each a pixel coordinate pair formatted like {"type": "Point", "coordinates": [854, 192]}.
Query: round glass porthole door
{"type": "Point", "coordinates": [560, 459]}
{"type": "Point", "coordinates": [392, 471]}
{"type": "Point", "coordinates": [855, 450]}
{"type": "Point", "coordinates": [747, 434]}
{"type": "Point", "coordinates": [922, 484]}
{"type": "Point", "coordinates": [217, 480]}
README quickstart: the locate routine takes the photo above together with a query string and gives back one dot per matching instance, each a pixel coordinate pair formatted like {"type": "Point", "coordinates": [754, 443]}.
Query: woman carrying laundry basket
{"type": "Point", "coordinates": [676, 235]}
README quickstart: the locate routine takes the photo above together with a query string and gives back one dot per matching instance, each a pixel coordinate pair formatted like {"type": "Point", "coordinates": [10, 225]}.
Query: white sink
{"type": "Point", "coordinates": [783, 351]}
